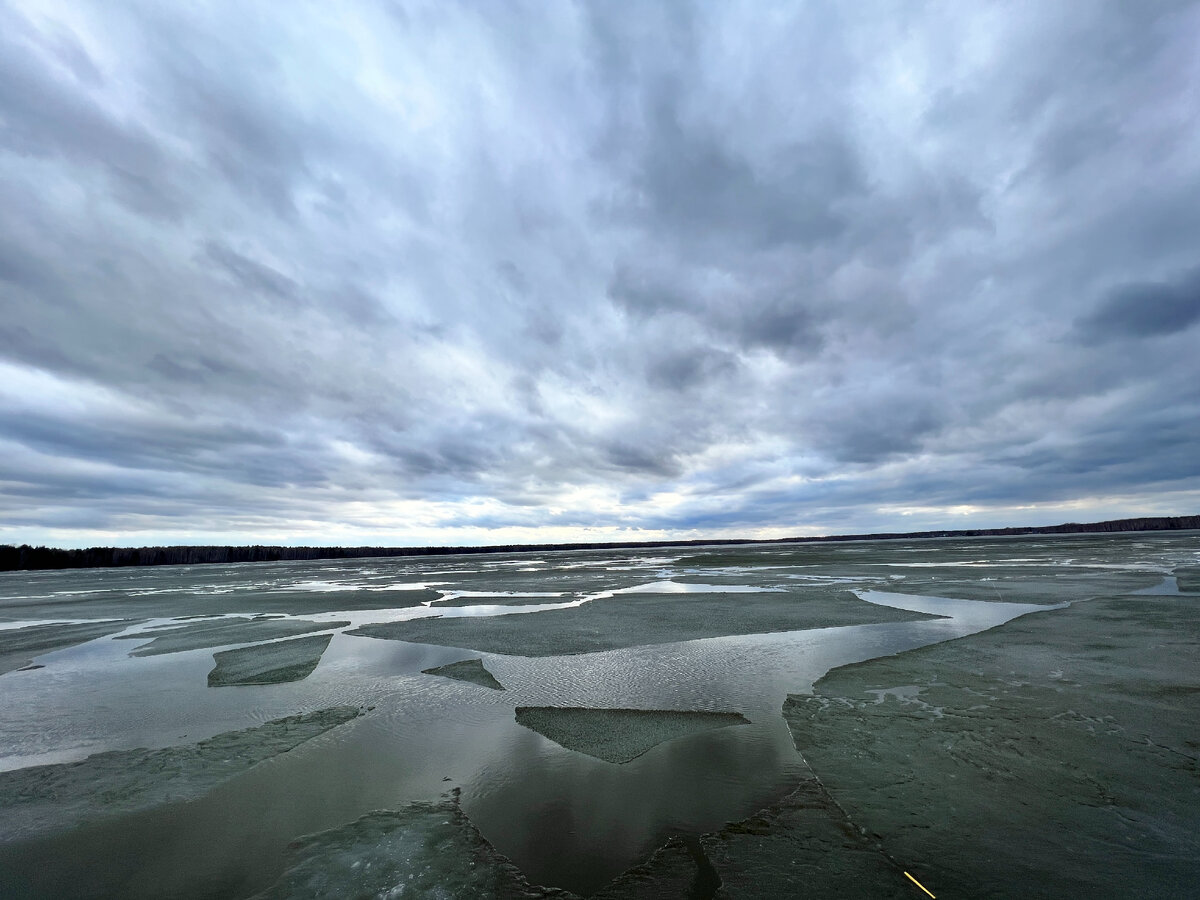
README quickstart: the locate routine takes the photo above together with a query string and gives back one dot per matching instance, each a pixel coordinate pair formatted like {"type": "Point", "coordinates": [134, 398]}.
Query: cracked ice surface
{"type": "Point", "coordinates": [716, 630]}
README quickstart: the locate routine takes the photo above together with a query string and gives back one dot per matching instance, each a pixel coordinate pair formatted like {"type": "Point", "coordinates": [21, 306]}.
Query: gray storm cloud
{"type": "Point", "coordinates": [474, 273]}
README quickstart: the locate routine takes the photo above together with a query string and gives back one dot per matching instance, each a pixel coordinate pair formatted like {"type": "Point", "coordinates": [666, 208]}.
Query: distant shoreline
{"type": "Point", "coordinates": [27, 558]}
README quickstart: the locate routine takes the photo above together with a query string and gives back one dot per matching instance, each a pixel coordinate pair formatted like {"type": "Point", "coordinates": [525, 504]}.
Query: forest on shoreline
{"type": "Point", "coordinates": [25, 557]}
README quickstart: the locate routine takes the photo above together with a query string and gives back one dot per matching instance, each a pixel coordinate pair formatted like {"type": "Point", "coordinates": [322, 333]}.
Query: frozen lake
{"type": "Point", "coordinates": [142, 752]}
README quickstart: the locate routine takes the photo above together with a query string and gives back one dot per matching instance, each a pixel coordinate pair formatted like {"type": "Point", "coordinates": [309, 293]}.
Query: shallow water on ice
{"type": "Point", "coordinates": [565, 818]}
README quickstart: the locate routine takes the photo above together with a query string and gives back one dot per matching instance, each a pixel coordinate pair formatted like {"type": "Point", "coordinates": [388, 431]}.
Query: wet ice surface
{"type": "Point", "coordinates": [1056, 756]}
{"type": "Point", "coordinates": [722, 630]}
{"type": "Point", "coordinates": [421, 850]}
{"type": "Point", "coordinates": [222, 632]}
{"type": "Point", "coordinates": [18, 645]}
{"type": "Point", "coordinates": [619, 735]}
{"type": "Point", "coordinates": [646, 614]}
{"type": "Point", "coordinates": [107, 784]}
{"type": "Point", "coordinates": [469, 670]}
{"type": "Point", "coordinates": [271, 663]}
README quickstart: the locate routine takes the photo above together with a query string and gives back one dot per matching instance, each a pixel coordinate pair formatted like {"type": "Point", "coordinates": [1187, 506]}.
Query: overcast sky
{"type": "Point", "coordinates": [413, 273]}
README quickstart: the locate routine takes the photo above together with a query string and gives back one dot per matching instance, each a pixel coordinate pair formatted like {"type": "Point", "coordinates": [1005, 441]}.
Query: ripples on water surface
{"type": "Point", "coordinates": [565, 818]}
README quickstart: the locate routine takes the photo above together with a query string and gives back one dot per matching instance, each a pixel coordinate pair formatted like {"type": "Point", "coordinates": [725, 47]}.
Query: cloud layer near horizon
{"type": "Point", "coordinates": [474, 273]}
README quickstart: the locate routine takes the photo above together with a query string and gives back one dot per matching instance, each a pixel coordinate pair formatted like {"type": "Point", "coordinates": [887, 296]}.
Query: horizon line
{"type": "Point", "coordinates": [25, 557]}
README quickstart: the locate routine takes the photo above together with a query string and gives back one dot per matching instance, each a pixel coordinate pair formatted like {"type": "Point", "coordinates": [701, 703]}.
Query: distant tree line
{"type": "Point", "coordinates": [26, 557]}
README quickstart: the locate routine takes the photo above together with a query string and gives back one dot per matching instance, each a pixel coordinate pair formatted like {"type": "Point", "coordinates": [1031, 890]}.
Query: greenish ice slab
{"type": "Point", "coordinates": [631, 620]}
{"type": "Point", "coordinates": [1057, 755]}
{"type": "Point", "coordinates": [18, 646]}
{"type": "Point", "coordinates": [299, 603]}
{"type": "Point", "coordinates": [118, 781]}
{"type": "Point", "coordinates": [1022, 584]}
{"type": "Point", "coordinates": [800, 846]}
{"type": "Point", "coordinates": [269, 663]}
{"type": "Point", "coordinates": [224, 631]}
{"type": "Point", "coordinates": [425, 849]}
{"type": "Point", "coordinates": [1188, 578]}
{"type": "Point", "coordinates": [619, 735]}
{"type": "Point", "coordinates": [472, 670]}
{"type": "Point", "coordinates": [169, 595]}
{"type": "Point", "coordinates": [675, 870]}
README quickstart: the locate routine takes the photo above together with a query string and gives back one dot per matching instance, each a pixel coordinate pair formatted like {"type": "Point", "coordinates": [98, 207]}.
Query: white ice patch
{"type": "Point", "coordinates": [908, 695]}
{"type": "Point", "coordinates": [408, 586]}
{"type": "Point", "coordinates": [34, 623]}
{"type": "Point", "coordinates": [319, 587]}
{"type": "Point", "coordinates": [978, 614]}
{"type": "Point", "coordinates": [454, 595]}
{"type": "Point", "coordinates": [676, 587]}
